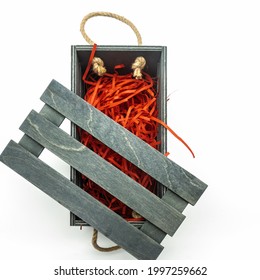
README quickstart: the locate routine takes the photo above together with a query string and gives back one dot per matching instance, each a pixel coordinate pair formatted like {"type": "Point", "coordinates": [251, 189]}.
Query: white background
{"type": "Point", "coordinates": [214, 87]}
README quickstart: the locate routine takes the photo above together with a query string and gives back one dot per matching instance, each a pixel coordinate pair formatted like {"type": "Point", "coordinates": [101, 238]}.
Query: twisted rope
{"type": "Point", "coordinates": [98, 66]}
{"type": "Point", "coordinates": [107, 14]}
{"type": "Point", "coordinates": [138, 66]}
{"type": "Point", "coordinates": [99, 248]}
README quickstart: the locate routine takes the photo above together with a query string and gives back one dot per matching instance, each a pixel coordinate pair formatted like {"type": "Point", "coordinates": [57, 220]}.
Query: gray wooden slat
{"type": "Point", "coordinates": [103, 173]}
{"type": "Point", "coordinates": [79, 202]}
{"type": "Point", "coordinates": [32, 146]}
{"type": "Point", "coordinates": [124, 142]}
{"type": "Point", "coordinates": [173, 200]}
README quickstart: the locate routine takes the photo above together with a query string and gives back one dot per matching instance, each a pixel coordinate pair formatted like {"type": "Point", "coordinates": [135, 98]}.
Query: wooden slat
{"type": "Point", "coordinates": [171, 199]}
{"type": "Point", "coordinates": [103, 173]}
{"type": "Point", "coordinates": [32, 146]}
{"type": "Point", "coordinates": [124, 142]}
{"type": "Point", "coordinates": [79, 202]}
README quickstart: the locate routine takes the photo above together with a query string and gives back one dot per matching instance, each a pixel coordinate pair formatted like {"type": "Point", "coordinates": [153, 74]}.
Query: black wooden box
{"type": "Point", "coordinates": [112, 55]}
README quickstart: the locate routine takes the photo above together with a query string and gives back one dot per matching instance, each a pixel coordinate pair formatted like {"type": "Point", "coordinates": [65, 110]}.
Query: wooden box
{"type": "Point", "coordinates": [112, 55]}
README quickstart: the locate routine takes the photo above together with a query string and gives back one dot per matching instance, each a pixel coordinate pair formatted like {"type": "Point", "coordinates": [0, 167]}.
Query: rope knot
{"type": "Point", "coordinates": [136, 215]}
{"type": "Point", "coordinates": [98, 66]}
{"type": "Point", "coordinates": [138, 66]}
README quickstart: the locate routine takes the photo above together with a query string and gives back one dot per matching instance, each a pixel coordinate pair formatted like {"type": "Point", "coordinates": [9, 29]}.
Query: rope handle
{"type": "Point", "coordinates": [107, 14]}
{"type": "Point", "coordinates": [99, 248]}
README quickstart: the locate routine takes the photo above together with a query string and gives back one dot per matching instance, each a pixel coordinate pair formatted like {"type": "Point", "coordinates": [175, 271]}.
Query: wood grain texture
{"type": "Point", "coordinates": [32, 146]}
{"type": "Point", "coordinates": [103, 173]}
{"type": "Point", "coordinates": [79, 202]}
{"type": "Point", "coordinates": [124, 142]}
{"type": "Point", "coordinates": [171, 199]}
